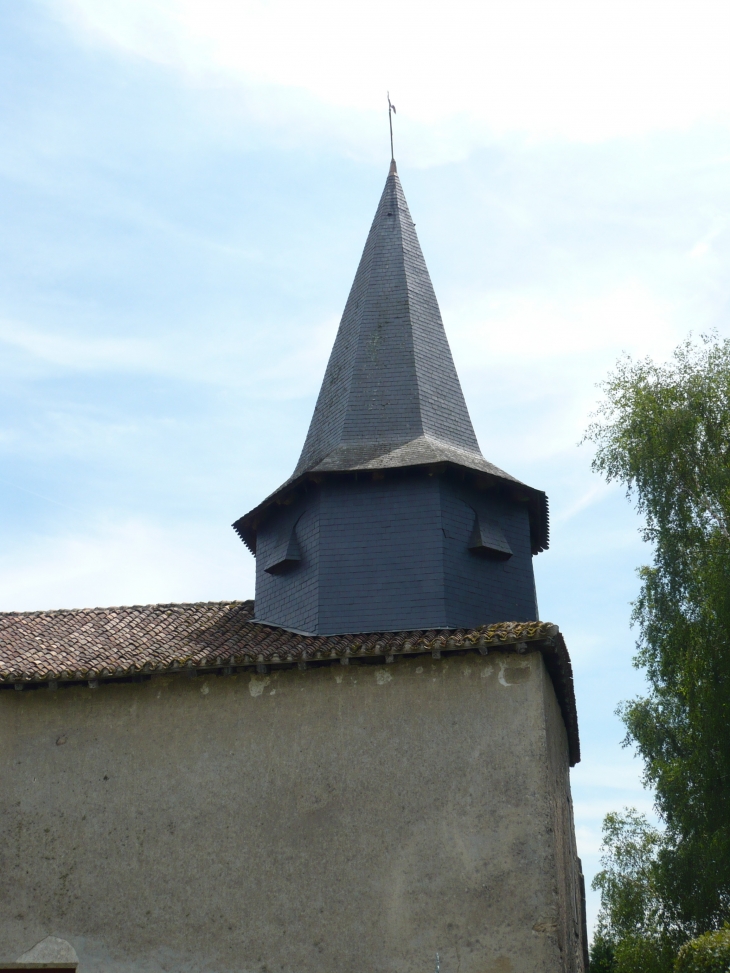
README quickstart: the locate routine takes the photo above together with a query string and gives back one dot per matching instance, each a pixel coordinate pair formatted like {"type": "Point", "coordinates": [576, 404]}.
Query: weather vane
{"type": "Point", "coordinates": [391, 112]}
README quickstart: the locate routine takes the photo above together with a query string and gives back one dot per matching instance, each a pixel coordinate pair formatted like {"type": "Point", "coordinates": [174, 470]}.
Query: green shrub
{"type": "Point", "coordinates": [602, 955]}
{"type": "Point", "coordinates": [709, 953]}
{"type": "Point", "coordinates": [643, 954]}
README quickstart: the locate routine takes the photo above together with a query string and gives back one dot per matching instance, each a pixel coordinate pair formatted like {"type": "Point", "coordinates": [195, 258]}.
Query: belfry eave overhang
{"type": "Point", "coordinates": [486, 478]}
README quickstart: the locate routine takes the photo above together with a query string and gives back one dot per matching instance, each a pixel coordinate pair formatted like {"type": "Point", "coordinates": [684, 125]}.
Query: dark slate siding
{"type": "Point", "coordinates": [444, 413]}
{"type": "Point", "coordinates": [479, 590]}
{"type": "Point", "coordinates": [290, 599]}
{"type": "Point", "coordinates": [381, 562]}
{"type": "Point", "coordinates": [384, 400]}
{"type": "Point", "coordinates": [393, 555]}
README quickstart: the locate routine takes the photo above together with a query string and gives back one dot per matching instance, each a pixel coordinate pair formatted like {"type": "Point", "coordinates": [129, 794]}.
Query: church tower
{"type": "Point", "coordinates": [393, 520]}
{"type": "Point", "coordinates": [362, 770]}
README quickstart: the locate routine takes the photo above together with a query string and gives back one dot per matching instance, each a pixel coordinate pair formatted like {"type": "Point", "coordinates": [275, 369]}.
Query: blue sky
{"type": "Point", "coordinates": [185, 190]}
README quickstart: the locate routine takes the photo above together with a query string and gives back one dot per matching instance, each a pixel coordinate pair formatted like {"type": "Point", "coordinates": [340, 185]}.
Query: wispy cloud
{"type": "Point", "coordinates": [544, 329]}
{"type": "Point", "coordinates": [127, 563]}
{"type": "Point", "coordinates": [294, 372]}
{"type": "Point", "coordinates": [594, 494]}
{"type": "Point", "coordinates": [73, 353]}
{"type": "Point", "coordinates": [565, 69]}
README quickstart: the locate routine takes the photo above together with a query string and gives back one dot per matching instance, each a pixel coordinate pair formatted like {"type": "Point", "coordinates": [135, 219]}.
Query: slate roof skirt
{"type": "Point", "coordinates": [97, 645]}
{"type": "Point", "coordinates": [484, 474]}
{"type": "Point", "coordinates": [362, 455]}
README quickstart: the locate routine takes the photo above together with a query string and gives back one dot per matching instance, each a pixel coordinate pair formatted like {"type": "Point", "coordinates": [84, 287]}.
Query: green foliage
{"type": "Point", "coordinates": [664, 432]}
{"type": "Point", "coordinates": [640, 954]}
{"type": "Point", "coordinates": [627, 881]}
{"type": "Point", "coordinates": [603, 954]}
{"type": "Point", "coordinates": [709, 953]}
{"type": "Point", "coordinates": [632, 936]}
{"type": "Point", "coordinates": [631, 954]}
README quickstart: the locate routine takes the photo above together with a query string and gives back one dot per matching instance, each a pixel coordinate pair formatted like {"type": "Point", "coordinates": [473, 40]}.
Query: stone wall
{"type": "Point", "coordinates": [340, 819]}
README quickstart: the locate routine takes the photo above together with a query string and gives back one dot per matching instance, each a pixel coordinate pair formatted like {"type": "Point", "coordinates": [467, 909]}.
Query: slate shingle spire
{"type": "Point", "coordinates": [390, 396]}
{"type": "Point", "coordinates": [391, 406]}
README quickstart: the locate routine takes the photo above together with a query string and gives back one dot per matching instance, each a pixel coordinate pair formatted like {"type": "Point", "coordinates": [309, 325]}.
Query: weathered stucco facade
{"type": "Point", "coordinates": [337, 819]}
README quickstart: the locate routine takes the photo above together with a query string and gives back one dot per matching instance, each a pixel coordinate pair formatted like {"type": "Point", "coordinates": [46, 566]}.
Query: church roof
{"type": "Point", "coordinates": [391, 397]}
{"type": "Point", "coordinates": [106, 644]}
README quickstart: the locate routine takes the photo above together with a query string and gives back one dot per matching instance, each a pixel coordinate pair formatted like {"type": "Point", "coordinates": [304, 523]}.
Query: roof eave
{"type": "Point", "coordinates": [537, 501]}
{"type": "Point", "coordinates": [25, 664]}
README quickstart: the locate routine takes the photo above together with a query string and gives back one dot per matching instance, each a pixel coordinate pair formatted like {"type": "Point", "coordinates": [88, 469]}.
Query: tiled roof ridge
{"type": "Point", "coordinates": [136, 641]}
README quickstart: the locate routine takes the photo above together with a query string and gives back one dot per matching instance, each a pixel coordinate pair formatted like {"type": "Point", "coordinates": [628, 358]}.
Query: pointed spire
{"type": "Point", "coordinates": [391, 396]}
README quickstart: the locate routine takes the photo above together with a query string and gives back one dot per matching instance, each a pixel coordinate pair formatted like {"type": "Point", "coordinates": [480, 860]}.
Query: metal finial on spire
{"type": "Point", "coordinates": [391, 111]}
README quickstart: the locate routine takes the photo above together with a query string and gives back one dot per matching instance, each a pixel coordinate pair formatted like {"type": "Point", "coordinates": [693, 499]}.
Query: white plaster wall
{"type": "Point", "coordinates": [343, 819]}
